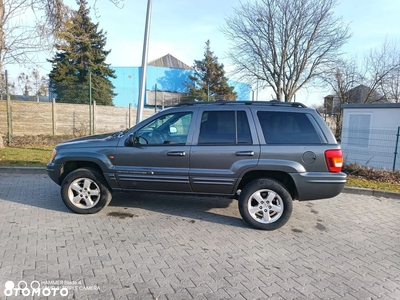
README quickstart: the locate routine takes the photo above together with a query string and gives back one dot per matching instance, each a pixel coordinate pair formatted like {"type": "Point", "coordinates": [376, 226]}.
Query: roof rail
{"type": "Point", "coordinates": [227, 102]}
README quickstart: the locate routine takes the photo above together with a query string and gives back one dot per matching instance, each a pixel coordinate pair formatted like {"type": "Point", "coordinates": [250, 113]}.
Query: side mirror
{"type": "Point", "coordinates": [133, 140]}
{"type": "Point", "coordinates": [130, 141]}
{"type": "Point", "coordinates": [172, 129]}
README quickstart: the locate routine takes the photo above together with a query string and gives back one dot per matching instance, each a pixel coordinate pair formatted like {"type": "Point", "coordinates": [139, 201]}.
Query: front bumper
{"type": "Point", "coordinates": [53, 170]}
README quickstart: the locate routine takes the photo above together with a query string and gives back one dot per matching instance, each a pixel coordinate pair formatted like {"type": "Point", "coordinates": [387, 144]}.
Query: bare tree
{"type": "Point", "coordinates": [391, 87]}
{"type": "Point", "coordinates": [24, 84]}
{"type": "Point", "coordinates": [382, 72]}
{"type": "Point", "coordinates": [342, 77]}
{"type": "Point", "coordinates": [39, 84]}
{"type": "Point", "coordinates": [21, 38]}
{"type": "Point", "coordinates": [318, 107]}
{"type": "Point", "coordinates": [56, 12]}
{"type": "Point", "coordinates": [16, 39]}
{"type": "Point", "coordinates": [377, 79]}
{"type": "Point", "coordinates": [284, 43]}
{"type": "Point", "coordinates": [31, 26]}
{"type": "Point", "coordinates": [28, 27]}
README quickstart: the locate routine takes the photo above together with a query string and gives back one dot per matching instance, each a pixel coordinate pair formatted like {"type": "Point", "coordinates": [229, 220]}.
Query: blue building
{"type": "Point", "coordinates": [164, 83]}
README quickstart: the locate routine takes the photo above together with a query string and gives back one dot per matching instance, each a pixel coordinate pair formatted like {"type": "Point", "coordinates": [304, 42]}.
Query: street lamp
{"type": "Point", "coordinates": [142, 89]}
{"type": "Point", "coordinates": [259, 20]}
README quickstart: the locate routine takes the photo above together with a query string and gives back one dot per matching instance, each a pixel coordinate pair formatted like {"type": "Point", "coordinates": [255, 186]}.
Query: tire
{"type": "Point", "coordinates": [265, 204]}
{"type": "Point", "coordinates": [85, 191]}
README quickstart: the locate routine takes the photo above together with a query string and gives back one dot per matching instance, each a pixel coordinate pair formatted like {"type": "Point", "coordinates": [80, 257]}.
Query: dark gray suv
{"type": "Point", "coordinates": [265, 154]}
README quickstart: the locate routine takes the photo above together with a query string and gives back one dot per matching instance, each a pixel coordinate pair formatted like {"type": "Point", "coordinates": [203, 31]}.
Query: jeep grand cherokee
{"type": "Point", "coordinates": [265, 154]}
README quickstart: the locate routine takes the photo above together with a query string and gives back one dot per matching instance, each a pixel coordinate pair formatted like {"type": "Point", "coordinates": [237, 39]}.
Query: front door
{"type": "Point", "coordinates": [159, 158]}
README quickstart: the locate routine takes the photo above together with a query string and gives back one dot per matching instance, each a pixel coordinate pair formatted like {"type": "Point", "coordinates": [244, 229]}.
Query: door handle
{"type": "Point", "coordinates": [176, 153]}
{"type": "Point", "coordinates": [244, 153]}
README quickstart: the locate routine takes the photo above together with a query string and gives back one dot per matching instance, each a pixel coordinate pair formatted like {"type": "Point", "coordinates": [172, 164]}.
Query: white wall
{"type": "Point", "coordinates": [369, 134]}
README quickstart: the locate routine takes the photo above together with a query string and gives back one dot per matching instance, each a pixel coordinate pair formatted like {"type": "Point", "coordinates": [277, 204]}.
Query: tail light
{"type": "Point", "coordinates": [334, 160]}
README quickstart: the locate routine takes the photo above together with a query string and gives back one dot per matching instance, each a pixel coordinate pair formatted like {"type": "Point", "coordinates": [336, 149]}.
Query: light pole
{"type": "Point", "coordinates": [259, 20]}
{"type": "Point", "coordinates": [257, 84]}
{"type": "Point", "coordinates": [142, 89]}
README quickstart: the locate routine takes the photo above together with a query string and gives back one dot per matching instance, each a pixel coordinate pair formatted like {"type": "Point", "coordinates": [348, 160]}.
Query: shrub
{"type": "Point", "coordinates": [379, 175]}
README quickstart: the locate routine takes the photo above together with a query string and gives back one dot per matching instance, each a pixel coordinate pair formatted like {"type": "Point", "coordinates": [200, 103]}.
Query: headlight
{"type": "Point", "coordinates": [53, 154]}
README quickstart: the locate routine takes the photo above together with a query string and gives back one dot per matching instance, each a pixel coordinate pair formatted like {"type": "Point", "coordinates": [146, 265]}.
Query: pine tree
{"type": "Point", "coordinates": [81, 56]}
{"type": "Point", "coordinates": [209, 82]}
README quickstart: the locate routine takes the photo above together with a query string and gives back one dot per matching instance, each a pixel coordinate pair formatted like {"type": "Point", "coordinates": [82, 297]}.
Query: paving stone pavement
{"type": "Point", "coordinates": [172, 247]}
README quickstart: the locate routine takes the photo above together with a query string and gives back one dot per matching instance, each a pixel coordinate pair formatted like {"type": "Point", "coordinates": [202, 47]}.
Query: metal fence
{"type": "Point", "coordinates": [19, 118]}
{"type": "Point", "coordinates": [77, 111]}
{"type": "Point", "coordinates": [375, 148]}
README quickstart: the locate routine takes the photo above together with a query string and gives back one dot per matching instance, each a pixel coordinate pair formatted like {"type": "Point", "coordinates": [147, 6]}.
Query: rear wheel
{"type": "Point", "coordinates": [85, 191]}
{"type": "Point", "coordinates": [265, 204]}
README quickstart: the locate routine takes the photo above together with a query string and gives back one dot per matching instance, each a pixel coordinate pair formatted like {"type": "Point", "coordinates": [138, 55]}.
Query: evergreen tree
{"type": "Point", "coordinates": [81, 55]}
{"type": "Point", "coordinates": [209, 82]}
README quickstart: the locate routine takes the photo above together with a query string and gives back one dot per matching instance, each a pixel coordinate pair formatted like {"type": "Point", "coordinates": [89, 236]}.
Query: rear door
{"type": "Point", "coordinates": [224, 146]}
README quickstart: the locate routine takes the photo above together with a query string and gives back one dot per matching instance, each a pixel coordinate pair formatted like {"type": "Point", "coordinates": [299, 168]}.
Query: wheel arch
{"type": "Point", "coordinates": [283, 177]}
{"type": "Point", "coordinates": [70, 166]}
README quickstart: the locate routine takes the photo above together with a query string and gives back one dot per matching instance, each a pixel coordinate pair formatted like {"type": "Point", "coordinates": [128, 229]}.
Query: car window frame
{"type": "Point", "coordinates": [156, 117]}
{"type": "Point", "coordinates": [250, 121]}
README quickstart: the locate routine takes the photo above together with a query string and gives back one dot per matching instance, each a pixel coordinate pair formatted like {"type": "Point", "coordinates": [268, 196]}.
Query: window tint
{"type": "Point", "coordinates": [167, 129]}
{"type": "Point", "coordinates": [287, 128]}
{"type": "Point", "coordinates": [224, 127]}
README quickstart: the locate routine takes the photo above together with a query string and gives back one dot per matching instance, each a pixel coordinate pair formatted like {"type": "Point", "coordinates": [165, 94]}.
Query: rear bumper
{"type": "Point", "coordinates": [312, 186]}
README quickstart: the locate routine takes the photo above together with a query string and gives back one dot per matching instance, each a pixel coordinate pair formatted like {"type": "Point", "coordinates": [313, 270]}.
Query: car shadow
{"type": "Point", "coordinates": [209, 209]}
{"type": "Point", "coordinates": [31, 190]}
{"type": "Point", "coordinates": [37, 190]}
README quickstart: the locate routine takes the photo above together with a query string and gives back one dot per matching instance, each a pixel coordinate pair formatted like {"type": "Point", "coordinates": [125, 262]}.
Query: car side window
{"type": "Point", "coordinates": [287, 128]}
{"type": "Point", "coordinates": [224, 127]}
{"type": "Point", "coordinates": [165, 130]}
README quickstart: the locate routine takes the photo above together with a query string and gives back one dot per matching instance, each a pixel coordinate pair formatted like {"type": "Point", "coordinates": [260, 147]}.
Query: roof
{"type": "Point", "coordinates": [169, 61]}
{"type": "Point", "coordinates": [360, 93]}
{"type": "Point", "coordinates": [371, 105]}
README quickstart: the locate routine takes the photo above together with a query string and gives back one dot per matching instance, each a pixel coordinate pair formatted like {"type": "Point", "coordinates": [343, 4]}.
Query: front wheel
{"type": "Point", "coordinates": [85, 191]}
{"type": "Point", "coordinates": [265, 204]}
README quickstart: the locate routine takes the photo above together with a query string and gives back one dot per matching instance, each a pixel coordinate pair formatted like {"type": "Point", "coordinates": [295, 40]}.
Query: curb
{"type": "Point", "coordinates": [370, 192]}
{"type": "Point", "coordinates": [346, 190]}
{"type": "Point", "coordinates": [23, 170]}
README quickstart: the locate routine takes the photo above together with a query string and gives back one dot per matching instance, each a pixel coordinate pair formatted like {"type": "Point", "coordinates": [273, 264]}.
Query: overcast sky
{"type": "Point", "coordinates": [181, 28]}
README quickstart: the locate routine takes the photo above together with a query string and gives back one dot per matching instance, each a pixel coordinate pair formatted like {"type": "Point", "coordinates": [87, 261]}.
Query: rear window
{"type": "Point", "coordinates": [224, 127]}
{"type": "Point", "coordinates": [288, 128]}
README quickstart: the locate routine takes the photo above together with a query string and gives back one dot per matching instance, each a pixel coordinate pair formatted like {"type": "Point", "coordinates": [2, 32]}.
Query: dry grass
{"type": "Point", "coordinates": [29, 151]}
{"type": "Point", "coordinates": [366, 177]}
{"type": "Point", "coordinates": [357, 171]}
{"type": "Point", "coordinates": [37, 140]}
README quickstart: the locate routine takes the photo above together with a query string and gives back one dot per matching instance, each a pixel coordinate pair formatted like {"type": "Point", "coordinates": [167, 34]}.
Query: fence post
{"type": "Point", "coordinates": [90, 103]}
{"type": "Point", "coordinates": [395, 150]}
{"type": "Point", "coordinates": [53, 115]}
{"type": "Point", "coordinates": [9, 119]}
{"type": "Point", "coordinates": [155, 98]}
{"type": "Point", "coordinates": [130, 115]}
{"type": "Point", "coordinates": [94, 117]}
{"type": "Point", "coordinates": [9, 125]}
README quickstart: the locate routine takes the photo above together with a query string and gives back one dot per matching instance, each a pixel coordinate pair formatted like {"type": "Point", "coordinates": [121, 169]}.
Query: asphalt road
{"type": "Point", "coordinates": [166, 247]}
